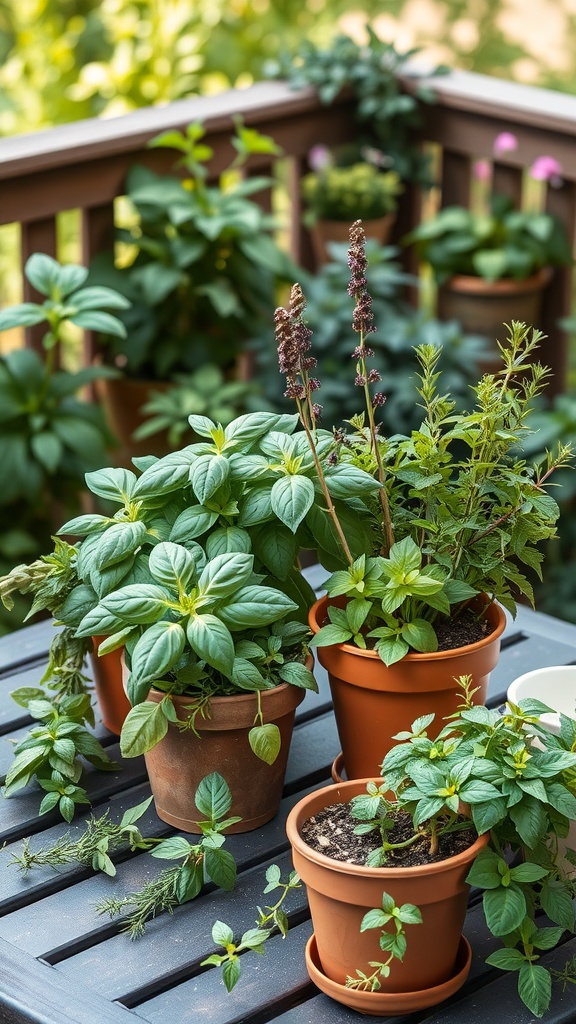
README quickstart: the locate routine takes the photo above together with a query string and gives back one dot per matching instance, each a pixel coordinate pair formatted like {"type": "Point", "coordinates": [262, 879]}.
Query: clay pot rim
{"type": "Point", "coordinates": [415, 656]}
{"type": "Point", "coordinates": [477, 285]}
{"type": "Point", "coordinates": [382, 873]}
{"type": "Point", "coordinates": [387, 1003]}
{"type": "Point", "coordinates": [246, 697]}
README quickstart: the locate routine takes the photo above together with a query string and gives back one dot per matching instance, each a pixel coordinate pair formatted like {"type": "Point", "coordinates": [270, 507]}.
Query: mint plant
{"type": "Point", "coordinates": [519, 782]}
{"type": "Point", "coordinates": [51, 753]}
{"type": "Point", "coordinates": [394, 943]}
{"type": "Point", "coordinates": [271, 920]}
{"type": "Point", "coordinates": [453, 510]}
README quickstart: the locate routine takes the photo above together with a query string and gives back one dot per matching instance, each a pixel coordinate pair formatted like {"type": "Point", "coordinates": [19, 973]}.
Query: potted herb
{"type": "Point", "coordinates": [335, 195]}
{"type": "Point", "coordinates": [50, 436]}
{"type": "Point", "coordinates": [197, 581]}
{"type": "Point", "coordinates": [491, 267]}
{"type": "Point", "coordinates": [387, 927]}
{"type": "Point", "coordinates": [202, 271]}
{"type": "Point", "coordinates": [453, 522]}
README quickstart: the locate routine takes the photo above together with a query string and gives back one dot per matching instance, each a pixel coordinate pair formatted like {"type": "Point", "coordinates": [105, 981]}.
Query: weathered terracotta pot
{"type": "Point", "coordinates": [325, 231]}
{"type": "Point", "coordinates": [122, 399]}
{"type": "Point", "coordinates": [178, 763]}
{"type": "Point", "coordinates": [107, 672]}
{"type": "Point", "coordinates": [483, 307]}
{"type": "Point", "coordinates": [372, 702]}
{"type": "Point", "coordinates": [436, 961]}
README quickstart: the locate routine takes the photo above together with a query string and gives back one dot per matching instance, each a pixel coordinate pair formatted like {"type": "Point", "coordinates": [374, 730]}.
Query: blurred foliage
{"type": "Point", "coordinates": [61, 60]}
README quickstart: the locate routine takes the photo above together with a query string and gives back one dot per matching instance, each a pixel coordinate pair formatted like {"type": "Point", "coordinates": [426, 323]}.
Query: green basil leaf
{"type": "Point", "coordinates": [191, 523]}
{"type": "Point", "coordinates": [225, 574]}
{"type": "Point", "coordinates": [265, 742]}
{"type": "Point", "coordinates": [173, 565]}
{"type": "Point", "coordinates": [291, 498]}
{"type": "Point", "coordinates": [207, 474]}
{"type": "Point", "coordinates": [210, 639]}
{"type": "Point", "coordinates": [144, 727]}
{"type": "Point", "coordinates": [255, 606]}
{"type": "Point", "coordinates": [157, 650]}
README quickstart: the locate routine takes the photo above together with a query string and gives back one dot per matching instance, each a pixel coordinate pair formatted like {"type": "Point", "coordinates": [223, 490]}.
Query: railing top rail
{"type": "Point", "coordinates": [497, 98]}
{"type": "Point", "coordinates": [81, 141]}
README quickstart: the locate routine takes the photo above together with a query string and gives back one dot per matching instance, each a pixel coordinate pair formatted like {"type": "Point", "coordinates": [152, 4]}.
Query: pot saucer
{"type": "Point", "coordinates": [388, 1004]}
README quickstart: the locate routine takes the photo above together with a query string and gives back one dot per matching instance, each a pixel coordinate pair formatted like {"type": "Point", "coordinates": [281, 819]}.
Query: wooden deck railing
{"type": "Point", "coordinates": [83, 165]}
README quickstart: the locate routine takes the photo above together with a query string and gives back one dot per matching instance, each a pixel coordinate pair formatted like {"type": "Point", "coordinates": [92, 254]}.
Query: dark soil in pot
{"type": "Point", "coordinates": [331, 832]}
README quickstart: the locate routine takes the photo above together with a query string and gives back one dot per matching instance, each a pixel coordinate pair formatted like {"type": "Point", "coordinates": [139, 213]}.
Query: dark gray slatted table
{"type": "Point", "coordinates": [60, 963]}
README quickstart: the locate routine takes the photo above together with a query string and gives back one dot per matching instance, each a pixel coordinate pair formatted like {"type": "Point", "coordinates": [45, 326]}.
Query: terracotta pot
{"type": "Point", "coordinates": [324, 231]}
{"type": "Point", "coordinates": [373, 702]}
{"type": "Point", "coordinates": [107, 671]}
{"type": "Point", "coordinates": [178, 763]}
{"type": "Point", "coordinates": [122, 399]}
{"type": "Point", "coordinates": [483, 307]}
{"type": "Point", "coordinates": [340, 894]}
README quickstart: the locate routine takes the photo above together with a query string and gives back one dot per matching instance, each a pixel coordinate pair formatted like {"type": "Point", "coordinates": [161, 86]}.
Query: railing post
{"type": "Point", "coordinates": [561, 203]}
{"type": "Point", "coordinates": [97, 235]}
{"type": "Point", "coordinates": [36, 236]}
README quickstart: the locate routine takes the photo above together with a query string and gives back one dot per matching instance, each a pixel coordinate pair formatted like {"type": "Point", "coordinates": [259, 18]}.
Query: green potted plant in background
{"type": "Point", "coordinates": [50, 436]}
{"type": "Point", "coordinates": [413, 850]}
{"type": "Point", "coordinates": [200, 268]}
{"type": "Point", "coordinates": [335, 195]}
{"type": "Point", "coordinates": [491, 267]}
{"type": "Point", "coordinates": [451, 528]}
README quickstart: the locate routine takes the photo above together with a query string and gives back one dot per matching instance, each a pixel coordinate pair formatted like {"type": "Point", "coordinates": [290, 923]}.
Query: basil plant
{"type": "Point", "coordinates": [194, 570]}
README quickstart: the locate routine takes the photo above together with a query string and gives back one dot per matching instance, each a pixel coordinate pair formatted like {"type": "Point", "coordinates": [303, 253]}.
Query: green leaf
{"type": "Point", "coordinates": [225, 574]}
{"type": "Point", "coordinates": [133, 814]}
{"type": "Point", "coordinates": [291, 498]}
{"type": "Point", "coordinates": [506, 959]}
{"type": "Point", "coordinates": [115, 484]}
{"type": "Point", "coordinates": [191, 523]}
{"type": "Point", "coordinates": [231, 971]}
{"type": "Point", "coordinates": [172, 848]}
{"type": "Point", "coordinates": [207, 474]}
{"type": "Point", "coordinates": [528, 872]}
{"type": "Point", "coordinates": [220, 867]}
{"type": "Point", "coordinates": [485, 870]}
{"type": "Point", "coordinates": [94, 320]}
{"type": "Point", "coordinates": [227, 540]}
{"type": "Point", "coordinates": [530, 819]}
{"type": "Point", "coordinates": [212, 641]}
{"type": "Point", "coordinates": [43, 272]}
{"type": "Point", "coordinates": [504, 909]}
{"type": "Point", "coordinates": [26, 314]}
{"type": "Point", "coordinates": [557, 903]}
{"type": "Point", "coordinates": [213, 798]}
{"type": "Point", "coordinates": [297, 674]}
{"type": "Point", "coordinates": [255, 606]}
{"type": "Point", "coordinates": [157, 650]}
{"type": "Point", "coordinates": [173, 565]}
{"type": "Point", "coordinates": [535, 988]}
{"type": "Point", "coordinates": [265, 742]}
{"type": "Point", "coordinates": [222, 934]}
{"type": "Point", "coordinates": [118, 541]}
{"type": "Point", "coordinates": [189, 882]}
{"type": "Point", "coordinates": [144, 727]}
{"type": "Point", "coordinates": [47, 448]}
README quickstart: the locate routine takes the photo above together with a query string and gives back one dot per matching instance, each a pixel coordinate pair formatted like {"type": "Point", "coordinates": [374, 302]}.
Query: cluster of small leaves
{"type": "Point", "coordinates": [392, 942]}
{"type": "Point", "coordinates": [505, 243]}
{"type": "Point", "coordinates": [270, 921]}
{"type": "Point", "coordinates": [205, 263]}
{"type": "Point", "coordinates": [52, 752]}
{"type": "Point", "coordinates": [101, 838]}
{"type": "Point", "coordinates": [520, 791]}
{"type": "Point", "coordinates": [347, 193]}
{"type": "Point", "coordinates": [389, 115]}
{"type": "Point", "coordinates": [199, 861]}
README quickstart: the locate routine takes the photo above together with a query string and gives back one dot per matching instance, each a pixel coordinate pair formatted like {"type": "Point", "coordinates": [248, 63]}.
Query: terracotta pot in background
{"type": "Point", "coordinates": [178, 763]}
{"type": "Point", "coordinates": [483, 307]}
{"type": "Point", "coordinates": [340, 894]}
{"type": "Point", "coordinates": [122, 399]}
{"type": "Point", "coordinates": [324, 231]}
{"type": "Point", "coordinates": [107, 671]}
{"type": "Point", "coordinates": [372, 702]}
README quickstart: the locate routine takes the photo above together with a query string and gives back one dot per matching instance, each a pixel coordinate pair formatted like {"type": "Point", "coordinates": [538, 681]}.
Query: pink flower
{"type": "Point", "coordinates": [505, 142]}
{"type": "Point", "coordinates": [547, 168]}
{"type": "Point", "coordinates": [319, 157]}
{"type": "Point", "coordinates": [481, 170]}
